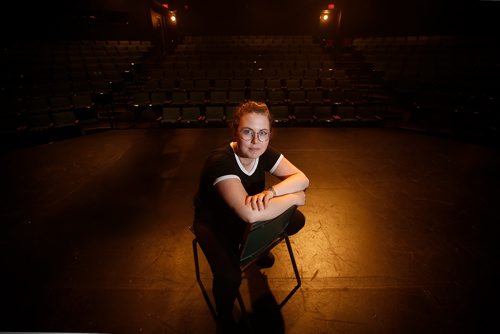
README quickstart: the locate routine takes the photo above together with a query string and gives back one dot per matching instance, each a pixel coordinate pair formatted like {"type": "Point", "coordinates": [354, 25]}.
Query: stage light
{"type": "Point", "coordinates": [331, 6]}
{"type": "Point", "coordinates": [172, 15]}
{"type": "Point", "coordinates": [325, 16]}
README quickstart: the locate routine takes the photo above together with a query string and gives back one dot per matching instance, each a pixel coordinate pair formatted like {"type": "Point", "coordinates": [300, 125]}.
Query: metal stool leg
{"type": "Point", "coordinates": [295, 270]}
{"type": "Point", "coordinates": [200, 283]}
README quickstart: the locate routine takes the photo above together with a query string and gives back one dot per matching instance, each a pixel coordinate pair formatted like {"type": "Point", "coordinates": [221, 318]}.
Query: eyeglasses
{"type": "Point", "coordinates": [249, 134]}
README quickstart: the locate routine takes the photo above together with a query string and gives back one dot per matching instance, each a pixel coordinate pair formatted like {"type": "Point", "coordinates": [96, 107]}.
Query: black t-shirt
{"type": "Point", "coordinates": [222, 164]}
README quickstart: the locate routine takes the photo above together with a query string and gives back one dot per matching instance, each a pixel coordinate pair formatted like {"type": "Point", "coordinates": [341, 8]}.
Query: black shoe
{"type": "Point", "coordinates": [266, 260]}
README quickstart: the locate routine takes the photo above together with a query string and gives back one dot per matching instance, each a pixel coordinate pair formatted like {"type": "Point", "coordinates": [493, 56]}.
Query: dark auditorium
{"type": "Point", "coordinates": [298, 167]}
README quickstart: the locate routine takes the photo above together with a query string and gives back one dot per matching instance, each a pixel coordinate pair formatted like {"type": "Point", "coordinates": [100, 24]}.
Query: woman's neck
{"type": "Point", "coordinates": [246, 162]}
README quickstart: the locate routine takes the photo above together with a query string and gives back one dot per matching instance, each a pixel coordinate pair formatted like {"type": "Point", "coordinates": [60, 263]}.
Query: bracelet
{"type": "Point", "coordinates": [271, 189]}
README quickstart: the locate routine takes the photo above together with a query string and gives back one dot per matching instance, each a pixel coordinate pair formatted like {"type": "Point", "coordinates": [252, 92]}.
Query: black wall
{"type": "Point", "coordinates": [359, 17]}
{"type": "Point", "coordinates": [130, 19]}
{"type": "Point", "coordinates": [59, 19]}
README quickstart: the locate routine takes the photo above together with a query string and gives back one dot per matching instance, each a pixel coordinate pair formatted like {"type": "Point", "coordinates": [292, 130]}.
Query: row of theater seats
{"type": "Point", "coordinates": [233, 97]}
{"type": "Point", "coordinates": [283, 115]}
{"type": "Point", "coordinates": [32, 63]}
{"type": "Point", "coordinates": [223, 57]}
{"type": "Point", "coordinates": [249, 39]}
{"type": "Point", "coordinates": [292, 74]}
{"type": "Point", "coordinates": [239, 44]}
{"type": "Point", "coordinates": [200, 83]}
{"type": "Point", "coordinates": [59, 85]}
{"type": "Point", "coordinates": [272, 83]}
{"type": "Point", "coordinates": [447, 82]}
{"type": "Point", "coordinates": [437, 61]}
{"type": "Point", "coordinates": [212, 73]}
{"type": "Point", "coordinates": [68, 118]}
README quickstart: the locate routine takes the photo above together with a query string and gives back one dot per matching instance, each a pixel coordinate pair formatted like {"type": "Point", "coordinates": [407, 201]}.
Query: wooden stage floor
{"type": "Point", "coordinates": [401, 235]}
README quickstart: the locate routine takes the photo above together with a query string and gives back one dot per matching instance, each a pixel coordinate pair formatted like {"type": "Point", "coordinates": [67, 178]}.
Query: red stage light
{"type": "Point", "coordinates": [331, 6]}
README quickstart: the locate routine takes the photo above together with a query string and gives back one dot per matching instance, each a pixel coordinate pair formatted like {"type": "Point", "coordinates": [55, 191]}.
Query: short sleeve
{"type": "Point", "coordinates": [220, 167]}
{"type": "Point", "coordinates": [271, 159]}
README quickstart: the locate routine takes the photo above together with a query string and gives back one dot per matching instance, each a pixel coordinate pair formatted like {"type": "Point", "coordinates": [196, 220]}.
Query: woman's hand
{"type": "Point", "coordinates": [259, 201]}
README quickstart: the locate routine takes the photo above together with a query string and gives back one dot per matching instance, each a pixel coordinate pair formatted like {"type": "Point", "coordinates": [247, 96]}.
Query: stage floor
{"type": "Point", "coordinates": [401, 235]}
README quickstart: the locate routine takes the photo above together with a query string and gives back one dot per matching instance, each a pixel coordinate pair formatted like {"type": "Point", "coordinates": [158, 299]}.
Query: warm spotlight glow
{"type": "Point", "coordinates": [172, 17]}
{"type": "Point", "coordinates": [325, 16]}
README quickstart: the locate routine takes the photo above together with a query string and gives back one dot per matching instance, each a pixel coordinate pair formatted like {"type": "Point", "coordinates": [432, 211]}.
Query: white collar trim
{"type": "Point", "coordinates": [242, 168]}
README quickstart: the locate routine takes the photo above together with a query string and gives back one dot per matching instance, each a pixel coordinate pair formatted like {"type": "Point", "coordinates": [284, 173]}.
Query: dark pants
{"type": "Point", "coordinates": [222, 255]}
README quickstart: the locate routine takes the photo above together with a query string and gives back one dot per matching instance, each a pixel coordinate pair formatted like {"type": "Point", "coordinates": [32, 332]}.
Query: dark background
{"type": "Point", "coordinates": [130, 19]}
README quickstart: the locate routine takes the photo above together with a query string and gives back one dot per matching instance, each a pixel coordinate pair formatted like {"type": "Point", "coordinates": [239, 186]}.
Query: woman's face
{"type": "Point", "coordinates": [252, 126]}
